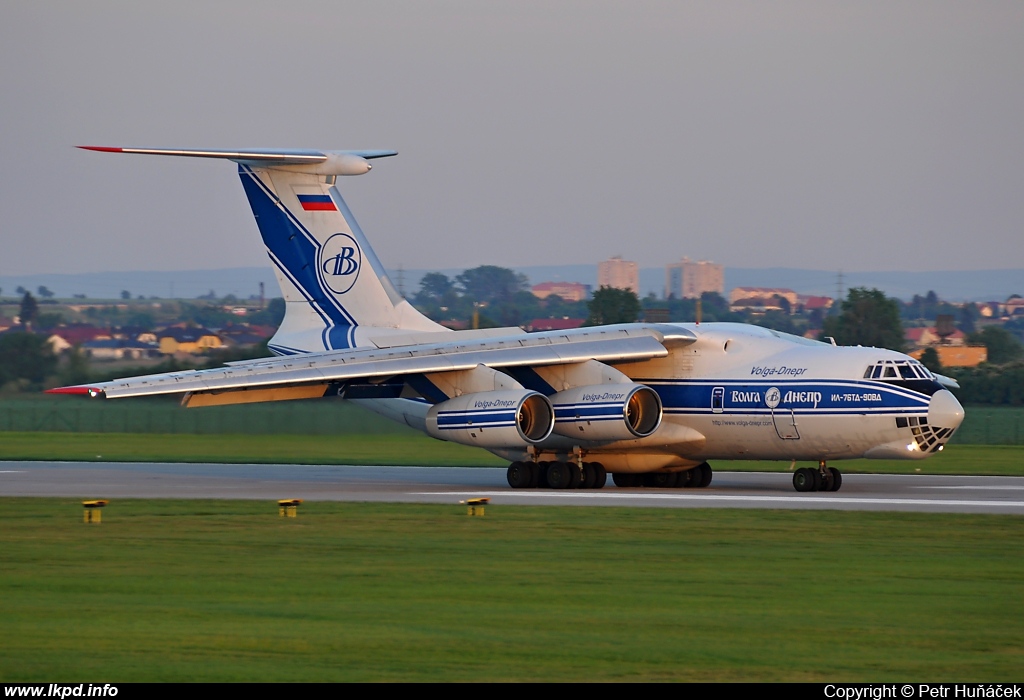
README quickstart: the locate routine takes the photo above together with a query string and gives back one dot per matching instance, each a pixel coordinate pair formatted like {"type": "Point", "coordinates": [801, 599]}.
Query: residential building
{"type": "Point", "coordinates": [620, 274]}
{"type": "Point", "coordinates": [957, 355]}
{"type": "Point", "coordinates": [764, 293]}
{"type": "Point", "coordinates": [185, 339]}
{"type": "Point", "coordinates": [568, 291]}
{"type": "Point", "coordinates": [687, 279]}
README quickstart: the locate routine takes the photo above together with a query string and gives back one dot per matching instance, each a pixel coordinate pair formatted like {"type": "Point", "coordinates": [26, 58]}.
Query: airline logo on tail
{"type": "Point", "coordinates": [340, 260]}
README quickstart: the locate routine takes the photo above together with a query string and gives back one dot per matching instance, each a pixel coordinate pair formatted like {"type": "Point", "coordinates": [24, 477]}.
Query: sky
{"type": "Point", "coordinates": [862, 136]}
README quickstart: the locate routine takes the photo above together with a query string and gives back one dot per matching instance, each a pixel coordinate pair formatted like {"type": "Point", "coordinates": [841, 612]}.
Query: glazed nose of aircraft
{"type": "Point", "coordinates": [945, 411]}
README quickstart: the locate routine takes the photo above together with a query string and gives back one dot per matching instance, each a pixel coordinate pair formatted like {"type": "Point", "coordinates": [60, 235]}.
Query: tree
{"type": "Point", "coordinates": [611, 305]}
{"type": "Point", "coordinates": [125, 294]}
{"type": "Point", "coordinates": [930, 359]}
{"type": "Point", "coordinates": [435, 286]}
{"type": "Point", "coordinates": [1002, 346]}
{"type": "Point", "coordinates": [29, 309]}
{"type": "Point", "coordinates": [44, 292]}
{"type": "Point", "coordinates": [25, 357]}
{"type": "Point", "coordinates": [489, 283]}
{"type": "Point", "coordinates": [868, 318]}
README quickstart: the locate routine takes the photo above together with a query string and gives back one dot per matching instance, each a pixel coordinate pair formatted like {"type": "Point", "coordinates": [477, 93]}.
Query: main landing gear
{"type": "Point", "coordinates": [696, 478]}
{"type": "Point", "coordinates": [592, 475]}
{"type": "Point", "coordinates": [556, 475]}
{"type": "Point", "coordinates": [824, 478]}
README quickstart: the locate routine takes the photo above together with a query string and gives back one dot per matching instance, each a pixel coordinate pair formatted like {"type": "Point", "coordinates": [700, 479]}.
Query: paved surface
{"type": "Point", "coordinates": [961, 494]}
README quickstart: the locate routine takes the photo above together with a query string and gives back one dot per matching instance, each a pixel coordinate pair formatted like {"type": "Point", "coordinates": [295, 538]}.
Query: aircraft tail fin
{"type": "Point", "coordinates": [337, 294]}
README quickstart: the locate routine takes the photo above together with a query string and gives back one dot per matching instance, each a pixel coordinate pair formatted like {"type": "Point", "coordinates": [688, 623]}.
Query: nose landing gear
{"type": "Point", "coordinates": [824, 478]}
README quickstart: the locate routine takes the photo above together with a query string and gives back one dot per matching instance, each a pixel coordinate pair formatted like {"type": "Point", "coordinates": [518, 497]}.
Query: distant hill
{"type": "Point", "coordinates": [958, 285]}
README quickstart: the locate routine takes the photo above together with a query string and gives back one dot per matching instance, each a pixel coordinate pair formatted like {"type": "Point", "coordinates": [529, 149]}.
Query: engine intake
{"type": "Point", "coordinates": [512, 418]}
{"type": "Point", "coordinates": [607, 412]}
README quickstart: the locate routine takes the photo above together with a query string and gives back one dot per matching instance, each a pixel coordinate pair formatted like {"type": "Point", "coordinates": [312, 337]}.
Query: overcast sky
{"type": "Point", "coordinates": [853, 135]}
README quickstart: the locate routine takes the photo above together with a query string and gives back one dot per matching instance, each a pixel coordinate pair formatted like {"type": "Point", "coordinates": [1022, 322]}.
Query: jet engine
{"type": "Point", "coordinates": [510, 418]}
{"type": "Point", "coordinates": [607, 412]}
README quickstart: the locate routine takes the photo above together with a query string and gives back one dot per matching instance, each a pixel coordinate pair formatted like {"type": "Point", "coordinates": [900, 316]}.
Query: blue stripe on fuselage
{"type": "Point", "coordinates": [801, 396]}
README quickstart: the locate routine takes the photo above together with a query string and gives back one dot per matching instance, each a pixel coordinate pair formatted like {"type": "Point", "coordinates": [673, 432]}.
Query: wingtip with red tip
{"type": "Point", "coordinates": [102, 149]}
{"type": "Point", "coordinates": [74, 390]}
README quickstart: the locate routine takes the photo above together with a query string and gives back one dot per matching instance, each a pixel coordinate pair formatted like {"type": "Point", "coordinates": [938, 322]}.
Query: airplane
{"type": "Point", "coordinates": [649, 403]}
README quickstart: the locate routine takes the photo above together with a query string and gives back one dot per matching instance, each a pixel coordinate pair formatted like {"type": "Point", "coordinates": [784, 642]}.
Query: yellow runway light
{"type": "Point", "coordinates": [476, 506]}
{"type": "Point", "coordinates": [92, 513]}
{"type": "Point", "coordinates": [288, 508]}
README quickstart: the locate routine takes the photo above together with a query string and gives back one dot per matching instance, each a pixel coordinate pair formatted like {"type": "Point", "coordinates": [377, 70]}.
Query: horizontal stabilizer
{"type": "Point", "coordinates": [306, 160]}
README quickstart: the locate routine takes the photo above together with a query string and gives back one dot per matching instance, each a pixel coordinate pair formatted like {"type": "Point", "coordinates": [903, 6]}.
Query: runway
{"type": "Point", "coordinates": [950, 494]}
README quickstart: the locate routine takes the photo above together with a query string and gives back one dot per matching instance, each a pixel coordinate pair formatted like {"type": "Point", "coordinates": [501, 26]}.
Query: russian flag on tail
{"type": "Point", "coordinates": [316, 202]}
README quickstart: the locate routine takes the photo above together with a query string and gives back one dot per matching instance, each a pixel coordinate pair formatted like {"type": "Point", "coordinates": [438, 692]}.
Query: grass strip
{"type": "Point", "coordinates": [228, 591]}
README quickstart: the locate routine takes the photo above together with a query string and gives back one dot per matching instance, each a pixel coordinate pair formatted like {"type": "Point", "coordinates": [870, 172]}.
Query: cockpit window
{"type": "Point", "coordinates": [898, 369]}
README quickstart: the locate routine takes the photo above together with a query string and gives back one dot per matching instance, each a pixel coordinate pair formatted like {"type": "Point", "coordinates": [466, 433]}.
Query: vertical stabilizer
{"type": "Point", "coordinates": [337, 294]}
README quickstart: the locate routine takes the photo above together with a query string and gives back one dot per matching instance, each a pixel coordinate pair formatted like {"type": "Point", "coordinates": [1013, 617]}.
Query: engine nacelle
{"type": "Point", "coordinates": [510, 418]}
{"type": "Point", "coordinates": [607, 412]}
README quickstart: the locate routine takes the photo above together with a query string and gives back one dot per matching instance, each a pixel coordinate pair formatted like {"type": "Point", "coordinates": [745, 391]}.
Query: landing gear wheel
{"type": "Point", "coordinates": [559, 475]}
{"type": "Point", "coordinates": [534, 473]}
{"type": "Point", "coordinates": [803, 480]}
{"type": "Point", "coordinates": [625, 481]}
{"type": "Point", "coordinates": [589, 476]}
{"type": "Point", "coordinates": [660, 480]}
{"type": "Point", "coordinates": [693, 478]}
{"type": "Point", "coordinates": [600, 475]}
{"type": "Point", "coordinates": [575, 476]}
{"type": "Point", "coordinates": [519, 475]}
{"type": "Point", "coordinates": [837, 479]}
{"type": "Point", "coordinates": [705, 475]}
{"type": "Point", "coordinates": [685, 479]}
{"type": "Point", "coordinates": [826, 480]}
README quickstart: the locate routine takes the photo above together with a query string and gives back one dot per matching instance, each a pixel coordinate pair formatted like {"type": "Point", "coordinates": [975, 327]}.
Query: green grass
{"type": "Point", "coordinates": [413, 449]}
{"type": "Point", "coordinates": [227, 591]}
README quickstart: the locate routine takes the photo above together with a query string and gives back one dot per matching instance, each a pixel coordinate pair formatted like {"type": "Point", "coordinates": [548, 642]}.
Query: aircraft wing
{"type": "Point", "coordinates": [606, 344]}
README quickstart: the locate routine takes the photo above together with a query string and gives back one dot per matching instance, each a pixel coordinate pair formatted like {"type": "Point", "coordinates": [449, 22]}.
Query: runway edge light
{"type": "Point", "coordinates": [476, 506]}
{"type": "Point", "coordinates": [288, 507]}
{"type": "Point", "coordinates": [93, 512]}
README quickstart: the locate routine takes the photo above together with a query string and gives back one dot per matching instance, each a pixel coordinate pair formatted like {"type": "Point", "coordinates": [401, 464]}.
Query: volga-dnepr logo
{"type": "Point", "coordinates": [340, 260]}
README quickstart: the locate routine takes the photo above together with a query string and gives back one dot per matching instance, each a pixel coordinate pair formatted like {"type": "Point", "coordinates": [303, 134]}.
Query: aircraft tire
{"type": "Point", "coordinates": [825, 480]}
{"type": "Point", "coordinates": [625, 481]}
{"type": "Point", "coordinates": [575, 476]}
{"type": "Point", "coordinates": [803, 480]}
{"type": "Point", "coordinates": [659, 480]}
{"type": "Point", "coordinates": [589, 476]}
{"type": "Point", "coordinates": [706, 475]}
{"type": "Point", "coordinates": [559, 476]}
{"type": "Point", "coordinates": [600, 475]}
{"type": "Point", "coordinates": [694, 478]}
{"type": "Point", "coordinates": [837, 479]}
{"type": "Point", "coordinates": [519, 475]}
{"type": "Point", "coordinates": [816, 475]}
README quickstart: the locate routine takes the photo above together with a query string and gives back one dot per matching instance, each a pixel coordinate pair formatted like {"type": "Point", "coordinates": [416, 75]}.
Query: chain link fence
{"type": "Point", "coordinates": [311, 417]}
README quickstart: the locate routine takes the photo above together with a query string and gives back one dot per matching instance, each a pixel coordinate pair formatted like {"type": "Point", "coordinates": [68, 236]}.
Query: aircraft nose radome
{"type": "Point", "coordinates": [945, 411]}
